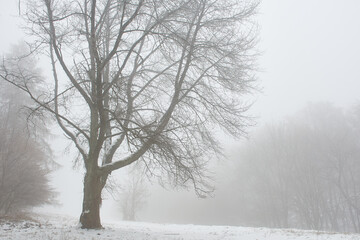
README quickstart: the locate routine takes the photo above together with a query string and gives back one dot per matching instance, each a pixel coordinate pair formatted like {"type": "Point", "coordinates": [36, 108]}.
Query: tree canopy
{"type": "Point", "coordinates": [145, 80]}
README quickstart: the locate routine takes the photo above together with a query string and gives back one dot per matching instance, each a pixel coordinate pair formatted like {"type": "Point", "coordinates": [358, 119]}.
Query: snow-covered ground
{"type": "Point", "coordinates": [64, 228]}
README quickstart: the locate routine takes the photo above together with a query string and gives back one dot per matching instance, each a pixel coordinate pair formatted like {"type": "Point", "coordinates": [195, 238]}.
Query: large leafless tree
{"type": "Point", "coordinates": [143, 80]}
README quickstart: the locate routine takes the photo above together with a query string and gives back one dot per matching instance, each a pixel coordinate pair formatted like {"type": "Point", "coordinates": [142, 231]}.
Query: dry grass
{"type": "Point", "coordinates": [18, 217]}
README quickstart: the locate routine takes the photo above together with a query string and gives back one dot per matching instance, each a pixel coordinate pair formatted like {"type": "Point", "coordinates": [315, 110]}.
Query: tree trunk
{"type": "Point", "coordinates": [90, 216]}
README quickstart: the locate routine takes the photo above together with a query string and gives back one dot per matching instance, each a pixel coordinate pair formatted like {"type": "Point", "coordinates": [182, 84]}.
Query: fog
{"type": "Point", "coordinates": [310, 54]}
{"type": "Point", "coordinates": [308, 69]}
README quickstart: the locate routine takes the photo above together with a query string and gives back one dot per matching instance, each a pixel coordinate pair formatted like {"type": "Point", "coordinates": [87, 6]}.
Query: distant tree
{"type": "Point", "coordinates": [132, 194]}
{"type": "Point", "coordinates": [23, 157]}
{"type": "Point", "coordinates": [143, 80]}
{"type": "Point", "coordinates": [303, 172]}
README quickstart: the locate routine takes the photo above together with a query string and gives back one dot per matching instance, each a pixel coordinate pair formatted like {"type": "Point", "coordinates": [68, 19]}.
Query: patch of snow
{"type": "Point", "coordinates": [58, 227]}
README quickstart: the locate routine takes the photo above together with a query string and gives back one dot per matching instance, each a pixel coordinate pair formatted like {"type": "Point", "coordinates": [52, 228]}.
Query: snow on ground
{"type": "Point", "coordinates": [65, 228]}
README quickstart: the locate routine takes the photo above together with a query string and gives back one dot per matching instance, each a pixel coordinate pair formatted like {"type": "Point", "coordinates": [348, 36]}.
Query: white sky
{"type": "Point", "coordinates": [311, 52]}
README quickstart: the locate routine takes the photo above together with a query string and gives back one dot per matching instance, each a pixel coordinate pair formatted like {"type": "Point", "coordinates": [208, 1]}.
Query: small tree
{"type": "Point", "coordinates": [132, 195]}
{"type": "Point", "coordinates": [143, 80]}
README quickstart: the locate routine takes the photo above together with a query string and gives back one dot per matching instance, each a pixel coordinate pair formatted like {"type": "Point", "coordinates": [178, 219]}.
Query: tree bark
{"type": "Point", "coordinates": [90, 216]}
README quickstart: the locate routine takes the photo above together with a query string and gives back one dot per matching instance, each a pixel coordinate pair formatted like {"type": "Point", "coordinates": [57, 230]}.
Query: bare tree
{"type": "Point", "coordinates": [143, 80]}
{"type": "Point", "coordinates": [133, 194]}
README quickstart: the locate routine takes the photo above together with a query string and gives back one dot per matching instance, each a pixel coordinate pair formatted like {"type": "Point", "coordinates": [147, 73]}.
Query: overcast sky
{"type": "Point", "coordinates": [310, 52]}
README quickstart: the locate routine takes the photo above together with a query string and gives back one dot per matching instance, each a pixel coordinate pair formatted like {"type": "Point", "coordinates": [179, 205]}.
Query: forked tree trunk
{"type": "Point", "coordinates": [90, 216]}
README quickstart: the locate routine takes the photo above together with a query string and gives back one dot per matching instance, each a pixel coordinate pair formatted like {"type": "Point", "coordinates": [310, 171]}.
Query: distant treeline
{"type": "Point", "coordinates": [303, 172]}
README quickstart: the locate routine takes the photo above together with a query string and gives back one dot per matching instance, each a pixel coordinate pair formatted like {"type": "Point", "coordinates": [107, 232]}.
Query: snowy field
{"type": "Point", "coordinates": [64, 228]}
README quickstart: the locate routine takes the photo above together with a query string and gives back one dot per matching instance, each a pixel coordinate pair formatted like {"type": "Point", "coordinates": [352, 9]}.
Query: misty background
{"type": "Point", "coordinates": [309, 57]}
